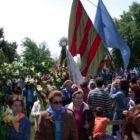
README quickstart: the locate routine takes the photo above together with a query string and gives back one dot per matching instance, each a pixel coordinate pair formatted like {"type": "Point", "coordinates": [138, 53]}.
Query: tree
{"type": "Point", "coordinates": [36, 54]}
{"type": "Point", "coordinates": [8, 51]}
{"type": "Point", "coordinates": [129, 28]}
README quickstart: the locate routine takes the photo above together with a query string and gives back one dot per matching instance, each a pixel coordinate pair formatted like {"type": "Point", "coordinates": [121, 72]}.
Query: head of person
{"type": "Point", "coordinates": [124, 86]}
{"type": "Point", "coordinates": [16, 103]}
{"type": "Point", "coordinates": [133, 82]}
{"type": "Point", "coordinates": [52, 88]}
{"type": "Point", "coordinates": [117, 83]}
{"type": "Point", "coordinates": [56, 100]}
{"type": "Point", "coordinates": [88, 77]}
{"type": "Point", "coordinates": [27, 86]}
{"type": "Point", "coordinates": [134, 92]}
{"type": "Point", "coordinates": [67, 84]}
{"type": "Point", "coordinates": [109, 86]}
{"type": "Point", "coordinates": [98, 112]}
{"type": "Point", "coordinates": [108, 71]}
{"type": "Point", "coordinates": [92, 84]}
{"type": "Point", "coordinates": [133, 120]}
{"type": "Point", "coordinates": [75, 87]}
{"type": "Point", "coordinates": [84, 86]}
{"type": "Point", "coordinates": [99, 81]}
{"type": "Point", "coordinates": [39, 97]}
{"type": "Point", "coordinates": [77, 97]}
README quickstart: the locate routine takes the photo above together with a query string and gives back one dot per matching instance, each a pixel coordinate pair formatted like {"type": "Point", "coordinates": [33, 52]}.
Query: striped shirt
{"type": "Point", "coordinates": [98, 98]}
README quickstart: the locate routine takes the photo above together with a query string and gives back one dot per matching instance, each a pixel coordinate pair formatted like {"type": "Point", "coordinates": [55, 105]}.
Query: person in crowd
{"type": "Point", "coordinates": [135, 136]}
{"type": "Point", "coordinates": [17, 89]}
{"type": "Point", "coordinates": [99, 131]}
{"type": "Point", "coordinates": [35, 112]}
{"type": "Point", "coordinates": [67, 92]}
{"type": "Point", "coordinates": [52, 88]}
{"type": "Point", "coordinates": [133, 82]}
{"type": "Point", "coordinates": [87, 79]}
{"type": "Point", "coordinates": [131, 125]}
{"type": "Point", "coordinates": [121, 98]}
{"type": "Point", "coordinates": [8, 91]}
{"type": "Point", "coordinates": [82, 114]}
{"type": "Point", "coordinates": [115, 86]}
{"type": "Point", "coordinates": [95, 76]}
{"type": "Point", "coordinates": [56, 122]}
{"type": "Point", "coordinates": [134, 93]}
{"type": "Point", "coordinates": [91, 85]}
{"type": "Point", "coordinates": [126, 75]}
{"type": "Point", "coordinates": [20, 130]}
{"type": "Point", "coordinates": [85, 90]}
{"type": "Point", "coordinates": [29, 96]}
{"type": "Point", "coordinates": [20, 83]}
{"type": "Point", "coordinates": [107, 76]}
{"type": "Point", "coordinates": [97, 98]}
{"type": "Point", "coordinates": [107, 89]}
{"type": "Point", "coordinates": [75, 87]}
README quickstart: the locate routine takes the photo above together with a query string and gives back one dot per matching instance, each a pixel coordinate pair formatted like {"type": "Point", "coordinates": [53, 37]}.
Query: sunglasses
{"type": "Point", "coordinates": [57, 102]}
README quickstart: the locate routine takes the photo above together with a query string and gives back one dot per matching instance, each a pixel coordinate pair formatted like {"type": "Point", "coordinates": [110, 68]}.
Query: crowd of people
{"type": "Point", "coordinates": [80, 113]}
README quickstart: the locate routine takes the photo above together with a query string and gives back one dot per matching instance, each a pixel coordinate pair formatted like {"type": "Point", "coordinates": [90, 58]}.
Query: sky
{"type": "Point", "coordinates": [47, 20]}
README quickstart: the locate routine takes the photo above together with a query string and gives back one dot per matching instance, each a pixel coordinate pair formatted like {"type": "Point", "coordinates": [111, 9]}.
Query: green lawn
{"type": "Point", "coordinates": [32, 128]}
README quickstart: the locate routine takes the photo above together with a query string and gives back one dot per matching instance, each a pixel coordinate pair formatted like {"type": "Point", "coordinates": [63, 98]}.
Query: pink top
{"type": "Point", "coordinates": [78, 117]}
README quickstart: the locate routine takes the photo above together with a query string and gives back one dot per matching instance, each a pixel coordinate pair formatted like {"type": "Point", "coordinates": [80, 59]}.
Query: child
{"type": "Point", "coordinates": [99, 131]}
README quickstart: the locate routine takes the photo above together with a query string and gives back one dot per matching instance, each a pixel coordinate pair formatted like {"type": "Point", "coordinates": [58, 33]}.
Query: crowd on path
{"type": "Point", "coordinates": [79, 113]}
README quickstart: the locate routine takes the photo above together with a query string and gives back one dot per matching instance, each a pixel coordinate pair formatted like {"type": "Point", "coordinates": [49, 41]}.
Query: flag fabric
{"type": "Point", "coordinates": [107, 61]}
{"type": "Point", "coordinates": [74, 73]}
{"type": "Point", "coordinates": [109, 33]}
{"type": "Point", "coordinates": [84, 40]}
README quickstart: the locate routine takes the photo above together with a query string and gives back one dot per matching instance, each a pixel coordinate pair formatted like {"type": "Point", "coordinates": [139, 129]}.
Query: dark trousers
{"type": "Point", "coordinates": [29, 106]}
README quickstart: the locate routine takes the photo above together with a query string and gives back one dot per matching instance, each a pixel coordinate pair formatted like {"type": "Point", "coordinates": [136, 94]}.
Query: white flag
{"type": "Point", "coordinates": [75, 74]}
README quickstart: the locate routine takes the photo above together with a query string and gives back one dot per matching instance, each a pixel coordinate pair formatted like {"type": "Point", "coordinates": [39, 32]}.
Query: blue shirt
{"type": "Point", "coordinates": [58, 133]}
{"type": "Point", "coordinates": [24, 130]}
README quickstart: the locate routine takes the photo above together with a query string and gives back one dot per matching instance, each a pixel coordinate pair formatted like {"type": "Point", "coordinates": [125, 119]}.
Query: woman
{"type": "Point", "coordinates": [67, 92]}
{"type": "Point", "coordinates": [134, 93]}
{"type": "Point", "coordinates": [56, 122]}
{"type": "Point", "coordinates": [82, 114]}
{"type": "Point", "coordinates": [35, 112]}
{"type": "Point", "coordinates": [20, 130]}
{"type": "Point", "coordinates": [131, 125]}
{"type": "Point", "coordinates": [121, 102]}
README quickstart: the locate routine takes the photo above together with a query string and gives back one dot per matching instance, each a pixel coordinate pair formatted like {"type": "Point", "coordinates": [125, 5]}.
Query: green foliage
{"type": "Point", "coordinates": [36, 54]}
{"type": "Point", "coordinates": [54, 76]}
{"type": "Point", "coordinates": [7, 50]}
{"type": "Point", "coordinates": [129, 28]}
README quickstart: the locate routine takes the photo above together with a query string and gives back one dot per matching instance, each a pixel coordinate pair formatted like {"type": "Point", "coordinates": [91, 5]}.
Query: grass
{"type": "Point", "coordinates": [108, 130]}
{"type": "Point", "coordinates": [32, 128]}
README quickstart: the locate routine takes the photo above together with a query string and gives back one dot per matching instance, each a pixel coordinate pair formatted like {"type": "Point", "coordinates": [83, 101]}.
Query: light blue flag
{"type": "Point", "coordinates": [109, 33]}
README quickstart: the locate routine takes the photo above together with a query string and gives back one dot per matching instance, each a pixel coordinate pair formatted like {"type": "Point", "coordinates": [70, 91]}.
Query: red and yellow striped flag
{"type": "Point", "coordinates": [84, 40]}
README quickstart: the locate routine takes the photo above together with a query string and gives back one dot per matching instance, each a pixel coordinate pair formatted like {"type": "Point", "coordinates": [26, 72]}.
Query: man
{"type": "Point", "coordinates": [98, 98]}
{"type": "Point", "coordinates": [107, 75]}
